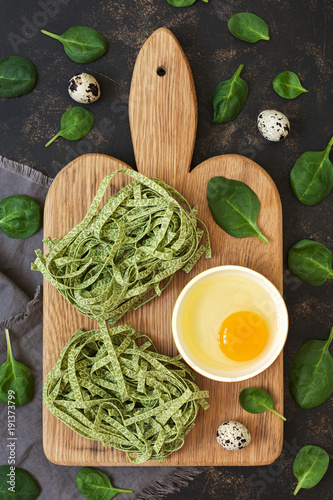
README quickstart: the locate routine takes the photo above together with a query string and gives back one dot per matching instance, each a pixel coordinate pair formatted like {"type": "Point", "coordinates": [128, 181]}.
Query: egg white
{"type": "Point", "coordinates": [208, 304]}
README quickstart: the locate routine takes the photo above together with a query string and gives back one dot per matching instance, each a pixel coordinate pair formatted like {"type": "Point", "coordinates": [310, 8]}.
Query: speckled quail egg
{"type": "Point", "coordinates": [273, 125]}
{"type": "Point", "coordinates": [84, 88]}
{"type": "Point", "coordinates": [233, 435]}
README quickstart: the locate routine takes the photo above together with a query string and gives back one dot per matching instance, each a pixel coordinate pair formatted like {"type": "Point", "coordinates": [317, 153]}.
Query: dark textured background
{"type": "Point", "coordinates": [301, 40]}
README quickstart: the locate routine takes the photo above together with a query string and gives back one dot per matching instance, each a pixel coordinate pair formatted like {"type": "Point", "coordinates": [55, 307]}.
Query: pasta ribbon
{"type": "Point", "coordinates": [125, 254]}
{"type": "Point", "coordinates": [108, 388]}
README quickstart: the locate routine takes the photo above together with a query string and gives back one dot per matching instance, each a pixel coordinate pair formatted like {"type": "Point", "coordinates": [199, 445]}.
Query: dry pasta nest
{"type": "Point", "coordinates": [127, 253]}
{"type": "Point", "coordinates": [108, 388]}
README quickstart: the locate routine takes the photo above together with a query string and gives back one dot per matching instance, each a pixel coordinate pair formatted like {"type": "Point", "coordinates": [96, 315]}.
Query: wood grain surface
{"type": "Point", "coordinates": [163, 125]}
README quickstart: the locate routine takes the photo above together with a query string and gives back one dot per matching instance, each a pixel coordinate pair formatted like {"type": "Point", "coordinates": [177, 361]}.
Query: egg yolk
{"type": "Point", "coordinates": [242, 336]}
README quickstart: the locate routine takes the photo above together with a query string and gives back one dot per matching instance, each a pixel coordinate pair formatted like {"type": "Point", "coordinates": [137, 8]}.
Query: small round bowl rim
{"type": "Point", "coordinates": [281, 305]}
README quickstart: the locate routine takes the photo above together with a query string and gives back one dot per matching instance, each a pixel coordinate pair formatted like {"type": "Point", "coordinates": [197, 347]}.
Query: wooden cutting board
{"type": "Point", "coordinates": [163, 120]}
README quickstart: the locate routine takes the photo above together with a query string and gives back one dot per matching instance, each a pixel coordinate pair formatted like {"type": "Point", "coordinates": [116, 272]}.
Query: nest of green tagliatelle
{"type": "Point", "coordinates": [118, 258]}
{"type": "Point", "coordinates": [106, 387]}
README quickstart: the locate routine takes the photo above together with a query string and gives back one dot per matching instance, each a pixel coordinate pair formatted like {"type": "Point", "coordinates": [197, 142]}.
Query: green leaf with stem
{"type": "Point", "coordinates": [75, 124]}
{"type": "Point", "coordinates": [20, 216]}
{"type": "Point", "coordinates": [288, 85]}
{"type": "Point", "coordinates": [311, 262]}
{"type": "Point", "coordinates": [312, 176]}
{"type": "Point", "coordinates": [229, 98]}
{"type": "Point", "coordinates": [234, 207]}
{"type": "Point", "coordinates": [18, 76]}
{"type": "Point", "coordinates": [257, 401]}
{"type": "Point", "coordinates": [26, 488]}
{"type": "Point", "coordinates": [248, 27]}
{"type": "Point", "coordinates": [311, 373]}
{"type": "Point", "coordinates": [95, 485]}
{"type": "Point", "coordinates": [183, 3]}
{"type": "Point", "coordinates": [310, 465]}
{"type": "Point", "coordinates": [15, 378]}
{"type": "Point", "coordinates": [81, 43]}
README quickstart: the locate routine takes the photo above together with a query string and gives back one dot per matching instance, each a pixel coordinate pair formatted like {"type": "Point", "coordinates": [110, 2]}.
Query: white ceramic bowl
{"type": "Point", "coordinates": [207, 300]}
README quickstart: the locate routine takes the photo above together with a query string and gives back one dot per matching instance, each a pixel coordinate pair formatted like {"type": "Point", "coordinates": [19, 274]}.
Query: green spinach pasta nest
{"type": "Point", "coordinates": [106, 387]}
{"type": "Point", "coordinates": [124, 255]}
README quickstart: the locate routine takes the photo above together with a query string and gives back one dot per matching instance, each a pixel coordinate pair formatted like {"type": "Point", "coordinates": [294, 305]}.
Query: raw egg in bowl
{"type": "Point", "coordinates": [230, 323]}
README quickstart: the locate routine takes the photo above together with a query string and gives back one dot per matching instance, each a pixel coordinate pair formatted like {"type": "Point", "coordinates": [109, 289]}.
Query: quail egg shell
{"type": "Point", "coordinates": [84, 88]}
{"type": "Point", "coordinates": [273, 125]}
{"type": "Point", "coordinates": [233, 435]}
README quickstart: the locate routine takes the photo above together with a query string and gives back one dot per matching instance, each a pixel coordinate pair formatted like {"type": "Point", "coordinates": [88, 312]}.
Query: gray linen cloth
{"type": "Point", "coordinates": [21, 313]}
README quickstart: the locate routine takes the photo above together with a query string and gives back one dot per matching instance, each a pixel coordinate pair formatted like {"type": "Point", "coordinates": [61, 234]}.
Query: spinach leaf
{"type": "Point", "coordinates": [75, 124]}
{"type": "Point", "coordinates": [312, 176]}
{"type": "Point", "coordinates": [183, 3]}
{"type": "Point", "coordinates": [26, 488]}
{"type": "Point", "coordinates": [94, 485]}
{"type": "Point", "coordinates": [82, 44]}
{"type": "Point", "coordinates": [287, 85]}
{"type": "Point", "coordinates": [257, 401]}
{"type": "Point", "coordinates": [20, 216]}
{"type": "Point", "coordinates": [229, 98]}
{"type": "Point", "coordinates": [310, 262]}
{"type": "Point", "coordinates": [310, 465]}
{"type": "Point", "coordinates": [15, 377]}
{"type": "Point", "coordinates": [248, 27]}
{"type": "Point", "coordinates": [311, 373]}
{"type": "Point", "coordinates": [234, 207]}
{"type": "Point", "coordinates": [18, 76]}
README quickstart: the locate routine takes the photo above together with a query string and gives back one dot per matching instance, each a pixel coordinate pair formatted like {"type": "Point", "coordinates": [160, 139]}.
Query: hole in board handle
{"type": "Point", "coordinates": [161, 71]}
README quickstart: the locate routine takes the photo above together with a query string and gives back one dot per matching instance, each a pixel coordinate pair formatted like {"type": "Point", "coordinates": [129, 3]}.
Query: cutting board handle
{"type": "Point", "coordinates": [163, 109]}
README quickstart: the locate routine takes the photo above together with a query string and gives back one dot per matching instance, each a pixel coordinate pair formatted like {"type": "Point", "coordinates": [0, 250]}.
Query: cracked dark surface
{"type": "Point", "coordinates": [301, 41]}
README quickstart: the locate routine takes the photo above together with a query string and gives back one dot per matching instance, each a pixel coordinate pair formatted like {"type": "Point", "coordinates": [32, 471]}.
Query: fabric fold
{"type": "Point", "coordinates": [16, 255]}
{"type": "Point", "coordinates": [12, 299]}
